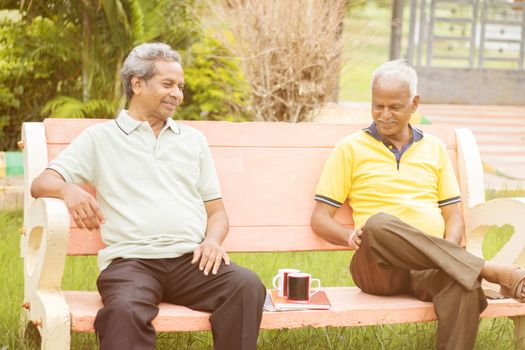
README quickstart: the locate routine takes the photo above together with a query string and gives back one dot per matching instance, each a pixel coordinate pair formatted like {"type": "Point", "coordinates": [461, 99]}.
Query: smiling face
{"type": "Point", "coordinates": [392, 108]}
{"type": "Point", "coordinates": [157, 98]}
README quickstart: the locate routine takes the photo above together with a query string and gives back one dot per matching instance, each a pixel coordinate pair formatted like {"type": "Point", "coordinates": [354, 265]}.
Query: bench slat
{"type": "Point", "coordinates": [255, 134]}
{"type": "Point", "coordinates": [239, 239]}
{"type": "Point", "coordinates": [262, 205]}
{"type": "Point", "coordinates": [350, 307]}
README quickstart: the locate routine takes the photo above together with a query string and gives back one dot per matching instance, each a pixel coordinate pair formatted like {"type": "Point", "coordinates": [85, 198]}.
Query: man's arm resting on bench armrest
{"type": "Point", "coordinates": [82, 206]}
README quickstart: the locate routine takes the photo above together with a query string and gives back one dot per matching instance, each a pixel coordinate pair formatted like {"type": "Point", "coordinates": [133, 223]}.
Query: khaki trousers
{"type": "Point", "coordinates": [396, 258]}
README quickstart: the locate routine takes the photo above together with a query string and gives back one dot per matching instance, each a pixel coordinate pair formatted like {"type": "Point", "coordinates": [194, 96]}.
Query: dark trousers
{"type": "Point", "coordinates": [396, 258]}
{"type": "Point", "coordinates": [131, 290]}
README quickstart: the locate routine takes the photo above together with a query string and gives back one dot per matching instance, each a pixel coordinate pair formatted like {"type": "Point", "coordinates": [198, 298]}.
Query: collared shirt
{"type": "Point", "coordinates": [373, 178]}
{"type": "Point", "coordinates": [151, 189]}
{"type": "Point", "coordinates": [415, 136]}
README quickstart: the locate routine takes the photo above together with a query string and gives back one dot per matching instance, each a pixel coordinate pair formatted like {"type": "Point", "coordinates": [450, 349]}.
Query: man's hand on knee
{"type": "Point", "coordinates": [209, 255]}
{"type": "Point", "coordinates": [354, 240]}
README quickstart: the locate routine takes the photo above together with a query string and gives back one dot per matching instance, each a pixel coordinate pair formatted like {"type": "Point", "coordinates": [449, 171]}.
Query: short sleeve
{"type": "Point", "coordinates": [334, 184]}
{"type": "Point", "coordinates": [75, 163]}
{"type": "Point", "coordinates": [208, 187]}
{"type": "Point", "coordinates": [448, 188]}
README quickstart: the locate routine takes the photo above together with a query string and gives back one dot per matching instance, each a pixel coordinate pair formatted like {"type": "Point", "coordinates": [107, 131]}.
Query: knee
{"type": "Point", "coordinates": [248, 283]}
{"type": "Point", "coordinates": [127, 310]}
{"type": "Point", "coordinates": [375, 225]}
{"type": "Point", "coordinates": [120, 307]}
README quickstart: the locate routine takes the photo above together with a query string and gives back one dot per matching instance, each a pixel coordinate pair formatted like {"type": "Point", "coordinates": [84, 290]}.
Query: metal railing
{"type": "Point", "coordinates": [467, 33]}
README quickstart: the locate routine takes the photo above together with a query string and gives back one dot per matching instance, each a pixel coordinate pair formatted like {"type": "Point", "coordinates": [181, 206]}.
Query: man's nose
{"type": "Point", "coordinates": [386, 113]}
{"type": "Point", "coordinates": [176, 92]}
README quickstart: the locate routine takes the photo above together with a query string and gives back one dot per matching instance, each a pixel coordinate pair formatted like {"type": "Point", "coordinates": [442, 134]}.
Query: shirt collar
{"type": "Point", "coordinates": [173, 126]}
{"type": "Point", "coordinates": [417, 135]}
{"type": "Point", "coordinates": [128, 124]}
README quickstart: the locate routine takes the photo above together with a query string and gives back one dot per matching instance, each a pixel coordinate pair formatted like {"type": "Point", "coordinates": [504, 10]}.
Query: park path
{"type": "Point", "coordinates": [499, 131]}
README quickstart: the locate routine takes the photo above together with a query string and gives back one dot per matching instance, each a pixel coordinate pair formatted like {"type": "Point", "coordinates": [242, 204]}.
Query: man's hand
{"type": "Point", "coordinates": [209, 255]}
{"type": "Point", "coordinates": [354, 240]}
{"type": "Point", "coordinates": [83, 207]}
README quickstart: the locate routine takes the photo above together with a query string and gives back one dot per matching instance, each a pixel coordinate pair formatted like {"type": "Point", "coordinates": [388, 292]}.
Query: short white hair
{"type": "Point", "coordinates": [400, 71]}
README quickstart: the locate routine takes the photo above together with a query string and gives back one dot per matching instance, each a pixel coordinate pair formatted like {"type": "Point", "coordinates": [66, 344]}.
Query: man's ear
{"type": "Point", "coordinates": [415, 103]}
{"type": "Point", "coordinates": [136, 85]}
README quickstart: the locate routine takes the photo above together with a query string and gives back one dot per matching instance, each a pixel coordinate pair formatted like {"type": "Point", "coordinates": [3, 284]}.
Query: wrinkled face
{"type": "Point", "coordinates": [160, 95]}
{"type": "Point", "coordinates": [392, 107]}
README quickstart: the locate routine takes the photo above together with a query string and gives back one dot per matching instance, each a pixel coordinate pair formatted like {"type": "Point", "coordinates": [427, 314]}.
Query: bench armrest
{"type": "Point", "coordinates": [44, 250]}
{"type": "Point", "coordinates": [498, 212]}
{"type": "Point", "coordinates": [45, 245]}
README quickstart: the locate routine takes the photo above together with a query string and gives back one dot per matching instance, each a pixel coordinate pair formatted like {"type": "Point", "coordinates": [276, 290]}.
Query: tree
{"type": "Point", "coordinates": [63, 58]}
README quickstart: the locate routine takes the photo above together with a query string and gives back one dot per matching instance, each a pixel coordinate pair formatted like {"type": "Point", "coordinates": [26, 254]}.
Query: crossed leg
{"type": "Point", "coordinates": [395, 258]}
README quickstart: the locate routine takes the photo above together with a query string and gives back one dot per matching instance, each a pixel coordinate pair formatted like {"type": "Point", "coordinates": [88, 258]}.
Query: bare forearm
{"type": "Point", "coordinates": [454, 225]}
{"type": "Point", "coordinates": [48, 185]}
{"type": "Point", "coordinates": [454, 230]}
{"type": "Point", "coordinates": [210, 254]}
{"type": "Point", "coordinates": [330, 230]}
{"type": "Point", "coordinates": [82, 206]}
{"type": "Point", "coordinates": [217, 228]}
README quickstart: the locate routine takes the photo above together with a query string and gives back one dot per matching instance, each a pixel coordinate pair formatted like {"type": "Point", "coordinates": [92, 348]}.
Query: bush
{"type": "Point", "coordinates": [290, 52]}
{"type": "Point", "coordinates": [215, 87]}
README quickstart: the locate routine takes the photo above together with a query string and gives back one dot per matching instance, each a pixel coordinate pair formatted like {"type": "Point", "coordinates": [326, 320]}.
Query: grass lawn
{"type": "Point", "coordinates": [330, 267]}
{"type": "Point", "coordinates": [368, 36]}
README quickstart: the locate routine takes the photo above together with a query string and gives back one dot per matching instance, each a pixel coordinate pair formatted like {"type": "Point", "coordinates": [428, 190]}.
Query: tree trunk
{"type": "Point", "coordinates": [86, 50]}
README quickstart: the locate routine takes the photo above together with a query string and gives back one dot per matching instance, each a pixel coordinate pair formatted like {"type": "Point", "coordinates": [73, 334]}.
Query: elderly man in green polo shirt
{"type": "Point", "coordinates": [404, 195]}
{"type": "Point", "coordinates": [160, 212]}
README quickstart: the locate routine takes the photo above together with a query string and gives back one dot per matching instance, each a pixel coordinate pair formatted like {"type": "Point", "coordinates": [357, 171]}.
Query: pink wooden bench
{"type": "Point", "coordinates": [268, 172]}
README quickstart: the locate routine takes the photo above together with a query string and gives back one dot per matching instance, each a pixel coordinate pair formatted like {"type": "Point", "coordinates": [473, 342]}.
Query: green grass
{"type": "Point", "coordinates": [368, 36]}
{"type": "Point", "coordinates": [330, 267]}
{"type": "Point", "coordinates": [502, 193]}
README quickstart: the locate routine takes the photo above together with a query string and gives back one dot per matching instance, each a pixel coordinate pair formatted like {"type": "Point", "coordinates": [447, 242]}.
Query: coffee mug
{"type": "Point", "coordinates": [300, 286]}
{"type": "Point", "coordinates": [280, 281]}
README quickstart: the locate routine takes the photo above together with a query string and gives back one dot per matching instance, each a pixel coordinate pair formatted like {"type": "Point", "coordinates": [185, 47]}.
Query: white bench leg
{"type": "Point", "coordinates": [26, 329]}
{"type": "Point", "coordinates": [53, 320]}
{"type": "Point", "coordinates": [519, 331]}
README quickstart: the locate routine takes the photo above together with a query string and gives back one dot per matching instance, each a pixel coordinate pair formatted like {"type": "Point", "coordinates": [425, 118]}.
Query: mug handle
{"type": "Point", "coordinates": [315, 290]}
{"type": "Point", "coordinates": [274, 281]}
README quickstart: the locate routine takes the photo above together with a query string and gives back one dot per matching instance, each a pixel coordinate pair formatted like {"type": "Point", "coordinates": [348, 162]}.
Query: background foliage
{"type": "Point", "coordinates": [291, 52]}
{"type": "Point", "coordinates": [62, 59]}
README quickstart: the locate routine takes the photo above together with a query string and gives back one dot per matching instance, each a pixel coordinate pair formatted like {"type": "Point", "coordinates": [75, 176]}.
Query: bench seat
{"type": "Point", "coordinates": [350, 307]}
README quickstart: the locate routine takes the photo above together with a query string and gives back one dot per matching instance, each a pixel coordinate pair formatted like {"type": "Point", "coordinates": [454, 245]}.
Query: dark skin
{"type": "Point", "coordinates": [154, 100]}
{"type": "Point", "coordinates": [391, 109]}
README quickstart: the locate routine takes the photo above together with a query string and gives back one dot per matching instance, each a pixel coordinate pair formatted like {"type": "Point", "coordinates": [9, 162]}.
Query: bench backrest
{"type": "Point", "coordinates": [268, 173]}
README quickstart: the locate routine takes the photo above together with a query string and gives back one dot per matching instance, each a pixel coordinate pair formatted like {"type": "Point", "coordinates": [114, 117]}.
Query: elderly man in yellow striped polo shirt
{"type": "Point", "coordinates": [404, 195]}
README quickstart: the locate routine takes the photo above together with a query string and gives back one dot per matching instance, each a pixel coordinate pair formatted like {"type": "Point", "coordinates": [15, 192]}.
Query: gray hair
{"type": "Point", "coordinates": [141, 63]}
{"type": "Point", "coordinates": [399, 71]}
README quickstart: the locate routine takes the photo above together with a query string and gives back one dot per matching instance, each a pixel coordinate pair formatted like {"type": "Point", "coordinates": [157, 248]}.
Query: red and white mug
{"type": "Point", "coordinates": [280, 281]}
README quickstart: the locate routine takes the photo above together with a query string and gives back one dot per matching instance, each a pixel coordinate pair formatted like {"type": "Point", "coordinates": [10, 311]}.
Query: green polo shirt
{"type": "Point", "coordinates": [412, 184]}
{"type": "Point", "coordinates": [151, 189]}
